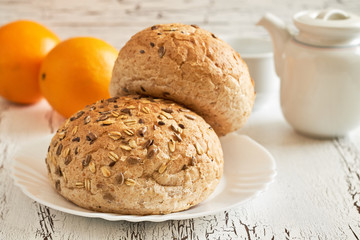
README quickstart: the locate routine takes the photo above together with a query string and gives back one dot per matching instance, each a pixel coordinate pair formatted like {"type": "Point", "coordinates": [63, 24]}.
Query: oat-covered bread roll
{"type": "Point", "coordinates": [135, 155]}
{"type": "Point", "coordinates": [190, 66]}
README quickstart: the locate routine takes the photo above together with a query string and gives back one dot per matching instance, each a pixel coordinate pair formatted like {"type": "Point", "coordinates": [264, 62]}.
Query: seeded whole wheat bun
{"type": "Point", "coordinates": [135, 155]}
{"type": "Point", "coordinates": [190, 66]}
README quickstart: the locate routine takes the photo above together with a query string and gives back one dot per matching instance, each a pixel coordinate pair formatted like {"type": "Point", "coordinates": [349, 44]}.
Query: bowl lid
{"type": "Point", "coordinates": [330, 27]}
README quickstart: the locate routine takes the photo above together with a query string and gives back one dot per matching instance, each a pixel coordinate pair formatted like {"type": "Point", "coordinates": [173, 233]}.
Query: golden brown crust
{"type": "Point", "coordinates": [188, 65]}
{"type": "Point", "coordinates": [135, 155]}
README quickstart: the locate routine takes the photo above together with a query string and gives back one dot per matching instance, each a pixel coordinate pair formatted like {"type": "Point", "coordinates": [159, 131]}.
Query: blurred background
{"type": "Point", "coordinates": [115, 21]}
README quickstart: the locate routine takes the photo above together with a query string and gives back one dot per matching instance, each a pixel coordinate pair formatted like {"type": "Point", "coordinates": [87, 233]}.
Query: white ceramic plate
{"type": "Point", "coordinates": [249, 169]}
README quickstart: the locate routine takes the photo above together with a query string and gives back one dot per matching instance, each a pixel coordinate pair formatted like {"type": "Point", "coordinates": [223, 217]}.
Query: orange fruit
{"type": "Point", "coordinates": [77, 73]}
{"type": "Point", "coordinates": [23, 46]}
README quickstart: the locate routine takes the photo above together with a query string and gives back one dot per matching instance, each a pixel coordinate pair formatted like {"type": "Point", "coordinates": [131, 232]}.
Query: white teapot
{"type": "Point", "coordinates": [319, 69]}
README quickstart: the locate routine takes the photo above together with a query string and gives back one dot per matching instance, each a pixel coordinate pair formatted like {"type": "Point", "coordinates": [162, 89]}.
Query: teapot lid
{"type": "Point", "coordinates": [328, 28]}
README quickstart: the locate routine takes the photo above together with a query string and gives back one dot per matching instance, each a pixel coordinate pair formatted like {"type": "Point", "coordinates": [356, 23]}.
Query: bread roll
{"type": "Point", "coordinates": [135, 155]}
{"type": "Point", "coordinates": [188, 65]}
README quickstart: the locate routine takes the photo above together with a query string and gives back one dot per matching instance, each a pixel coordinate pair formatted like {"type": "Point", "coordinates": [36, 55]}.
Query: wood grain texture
{"type": "Point", "coordinates": [117, 20]}
{"type": "Point", "coordinates": [316, 194]}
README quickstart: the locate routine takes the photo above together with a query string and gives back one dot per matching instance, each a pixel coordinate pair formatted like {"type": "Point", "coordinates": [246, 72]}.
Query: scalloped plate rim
{"type": "Point", "coordinates": [152, 218]}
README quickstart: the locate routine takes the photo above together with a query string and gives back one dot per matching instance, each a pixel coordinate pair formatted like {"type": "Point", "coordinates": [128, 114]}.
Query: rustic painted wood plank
{"type": "Point", "coordinates": [319, 204]}
{"type": "Point", "coordinates": [350, 156]}
{"type": "Point", "coordinates": [300, 204]}
{"type": "Point", "coordinates": [115, 21]}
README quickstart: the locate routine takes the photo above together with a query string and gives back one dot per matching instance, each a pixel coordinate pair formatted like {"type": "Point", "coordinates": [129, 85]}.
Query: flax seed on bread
{"type": "Point", "coordinates": [190, 66]}
{"type": "Point", "coordinates": [135, 155]}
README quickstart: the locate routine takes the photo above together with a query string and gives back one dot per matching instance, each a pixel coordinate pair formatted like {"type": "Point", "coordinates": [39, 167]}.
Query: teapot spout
{"type": "Point", "coordinates": [280, 36]}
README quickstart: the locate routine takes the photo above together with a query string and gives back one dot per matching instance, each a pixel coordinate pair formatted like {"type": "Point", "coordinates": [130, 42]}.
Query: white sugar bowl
{"type": "Point", "coordinates": [319, 70]}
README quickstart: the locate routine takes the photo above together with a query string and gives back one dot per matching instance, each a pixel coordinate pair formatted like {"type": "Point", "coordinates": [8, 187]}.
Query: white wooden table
{"type": "Point", "coordinates": [316, 194]}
